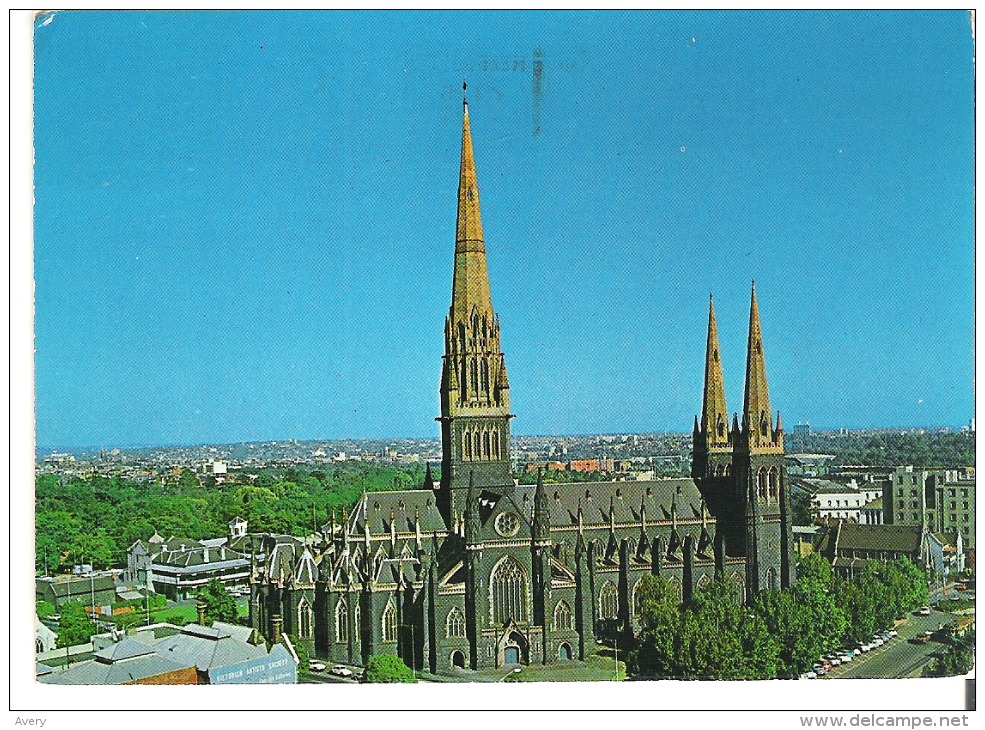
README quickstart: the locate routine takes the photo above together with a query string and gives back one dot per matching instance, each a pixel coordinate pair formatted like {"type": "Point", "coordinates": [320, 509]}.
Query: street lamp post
{"type": "Point", "coordinates": [514, 670]}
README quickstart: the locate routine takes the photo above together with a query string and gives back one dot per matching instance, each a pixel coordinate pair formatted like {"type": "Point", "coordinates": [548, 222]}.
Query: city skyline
{"type": "Point", "coordinates": [180, 294]}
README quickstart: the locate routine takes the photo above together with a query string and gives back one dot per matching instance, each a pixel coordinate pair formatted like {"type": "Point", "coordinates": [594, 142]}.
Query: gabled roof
{"type": "Point", "coordinates": [894, 538]}
{"type": "Point", "coordinates": [125, 649]}
{"type": "Point", "coordinates": [401, 509]}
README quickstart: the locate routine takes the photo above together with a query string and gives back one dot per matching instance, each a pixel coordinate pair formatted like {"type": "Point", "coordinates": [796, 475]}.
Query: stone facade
{"type": "Point", "coordinates": [477, 571]}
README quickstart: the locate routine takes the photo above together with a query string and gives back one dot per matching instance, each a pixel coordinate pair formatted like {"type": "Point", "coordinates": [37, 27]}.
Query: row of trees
{"type": "Point", "coordinates": [95, 520]}
{"type": "Point", "coordinates": [939, 450]}
{"type": "Point", "coordinates": [782, 634]}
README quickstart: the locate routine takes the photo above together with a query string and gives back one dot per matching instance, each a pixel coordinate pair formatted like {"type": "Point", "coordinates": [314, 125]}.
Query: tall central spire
{"type": "Point", "coordinates": [471, 283]}
{"type": "Point", "coordinates": [714, 412]}
{"type": "Point", "coordinates": [475, 388]}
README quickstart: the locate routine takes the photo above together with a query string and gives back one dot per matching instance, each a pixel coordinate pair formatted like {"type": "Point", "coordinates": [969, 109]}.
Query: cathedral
{"type": "Point", "coordinates": [476, 571]}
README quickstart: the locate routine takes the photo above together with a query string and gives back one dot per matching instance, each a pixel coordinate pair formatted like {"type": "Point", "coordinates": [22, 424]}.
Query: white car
{"type": "Point", "coordinates": [925, 611]}
{"type": "Point", "coordinates": [316, 666]}
{"type": "Point", "coordinates": [847, 658]}
{"type": "Point", "coordinates": [341, 670]}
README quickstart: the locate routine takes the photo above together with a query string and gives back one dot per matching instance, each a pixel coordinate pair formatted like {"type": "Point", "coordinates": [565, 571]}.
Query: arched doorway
{"type": "Point", "coordinates": [458, 659]}
{"type": "Point", "coordinates": [564, 652]}
{"type": "Point", "coordinates": [513, 648]}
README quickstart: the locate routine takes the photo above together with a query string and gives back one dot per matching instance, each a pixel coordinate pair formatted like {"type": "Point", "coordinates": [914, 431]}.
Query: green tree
{"type": "Point", "coordinates": [45, 609]}
{"type": "Point", "coordinates": [75, 626]}
{"type": "Point", "coordinates": [387, 668]}
{"type": "Point", "coordinates": [805, 621]}
{"type": "Point", "coordinates": [302, 651]}
{"type": "Point", "coordinates": [219, 605]}
{"type": "Point", "coordinates": [817, 568]}
{"type": "Point", "coordinates": [714, 637]}
{"type": "Point", "coordinates": [958, 659]}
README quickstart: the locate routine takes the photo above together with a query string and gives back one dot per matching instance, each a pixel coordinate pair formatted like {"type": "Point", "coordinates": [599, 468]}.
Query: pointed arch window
{"type": "Point", "coordinates": [455, 624]}
{"type": "Point", "coordinates": [486, 448]}
{"type": "Point", "coordinates": [771, 579]}
{"type": "Point", "coordinates": [677, 588]}
{"type": "Point", "coordinates": [740, 585]}
{"type": "Point", "coordinates": [357, 621]}
{"type": "Point", "coordinates": [342, 622]}
{"type": "Point", "coordinates": [762, 478]}
{"type": "Point", "coordinates": [637, 604]}
{"type": "Point", "coordinates": [509, 592]}
{"type": "Point", "coordinates": [774, 483]}
{"type": "Point", "coordinates": [563, 618]}
{"type": "Point", "coordinates": [703, 582]}
{"type": "Point", "coordinates": [608, 601]}
{"type": "Point", "coordinates": [485, 375]}
{"type": "Point", "coordinates": [390, 622]}
{"type": "Point", "coordinates": [475, 377]}
{"type": "Point", "coordinates": [466, 446]}
{"type": "Point", "coordinates": [304, 619]}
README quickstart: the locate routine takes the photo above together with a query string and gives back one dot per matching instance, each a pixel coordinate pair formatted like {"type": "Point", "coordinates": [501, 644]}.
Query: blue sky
{"type": "Point", "coordinates": [245, 221]}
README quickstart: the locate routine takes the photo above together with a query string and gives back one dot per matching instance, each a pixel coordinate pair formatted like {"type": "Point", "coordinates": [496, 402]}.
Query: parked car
{"type": "Point", "coordinates": [893, 633]}
{"type": "Point", "coordinates": [847, 657]}
{"type": "Point", "coordinates": [925, 611]}
{"type": "Point", "coordinates": [808, 675]}
{"type": "Point", "coordinates": [316, 666]}
{"type": "Point", "coordinates": [341, 670]}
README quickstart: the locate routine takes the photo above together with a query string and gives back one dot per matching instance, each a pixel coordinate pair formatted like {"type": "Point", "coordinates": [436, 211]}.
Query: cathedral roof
{"type": "Point", "coordinates": [403, 509]}
{"type": "Point", "coordinates": [598, 499]}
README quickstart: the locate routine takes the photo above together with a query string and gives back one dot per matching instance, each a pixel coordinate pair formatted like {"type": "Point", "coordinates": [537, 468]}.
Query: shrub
{"type": "Point", "coordinates": [387, 668]}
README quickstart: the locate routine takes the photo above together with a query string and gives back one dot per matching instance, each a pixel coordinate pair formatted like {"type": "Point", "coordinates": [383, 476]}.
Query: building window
{"type": "Point", "coordinates": [562, 617]}
{"type": "Point", "coordinates": [486, 450]}
{"type": "Point", "coordinates": [608, 601]}
{"type": "Point", "coordinates": [390, 622]}
{"type": "Point", "coordinates": [509, 592]}
{"type": "Point", "coordinates": [304, 619]}
{"type": "Point", "coordinates": [637, 608]}
{"type": "Point", "coordinates": [740, 584]}
{"type": "Point", "coordinates": [455, 624]}
{"type": "Point", "coordinates": [771, 579]}
{"type": "Point", "coordinates": [341, 622]}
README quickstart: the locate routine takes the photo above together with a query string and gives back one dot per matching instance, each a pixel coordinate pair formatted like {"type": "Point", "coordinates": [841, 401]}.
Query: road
{"type": "Point", "coordinates": [900, 657]}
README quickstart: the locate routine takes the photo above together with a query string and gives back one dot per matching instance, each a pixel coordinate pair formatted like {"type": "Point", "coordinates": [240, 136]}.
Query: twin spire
{"type": "Point", "coordinates": [757, 417]}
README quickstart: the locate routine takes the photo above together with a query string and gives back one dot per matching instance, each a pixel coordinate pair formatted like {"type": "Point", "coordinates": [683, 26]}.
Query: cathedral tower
{"type": "Point", "coordinates": [760, 474]}
{"type": "Point", "coordinates": [475, 389]}
{"type": "Point", "coordinates": [712, 439]}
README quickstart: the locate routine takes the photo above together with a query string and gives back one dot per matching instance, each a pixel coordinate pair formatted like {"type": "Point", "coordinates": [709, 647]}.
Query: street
{"type": "Point", "coordinates": [900, 657]}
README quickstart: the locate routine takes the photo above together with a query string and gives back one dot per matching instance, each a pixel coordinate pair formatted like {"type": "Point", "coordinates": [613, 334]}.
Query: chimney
{"type": "Point", "coordinates": [201, 613]}
{"type": "Point", "coordinates": [277, 622]}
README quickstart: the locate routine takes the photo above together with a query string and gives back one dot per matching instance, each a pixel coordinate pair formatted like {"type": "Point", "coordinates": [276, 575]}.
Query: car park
{"type": "Point", "coordinates": [316, 666]}
{"type": "Point", "coordinates": [341, 670]}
